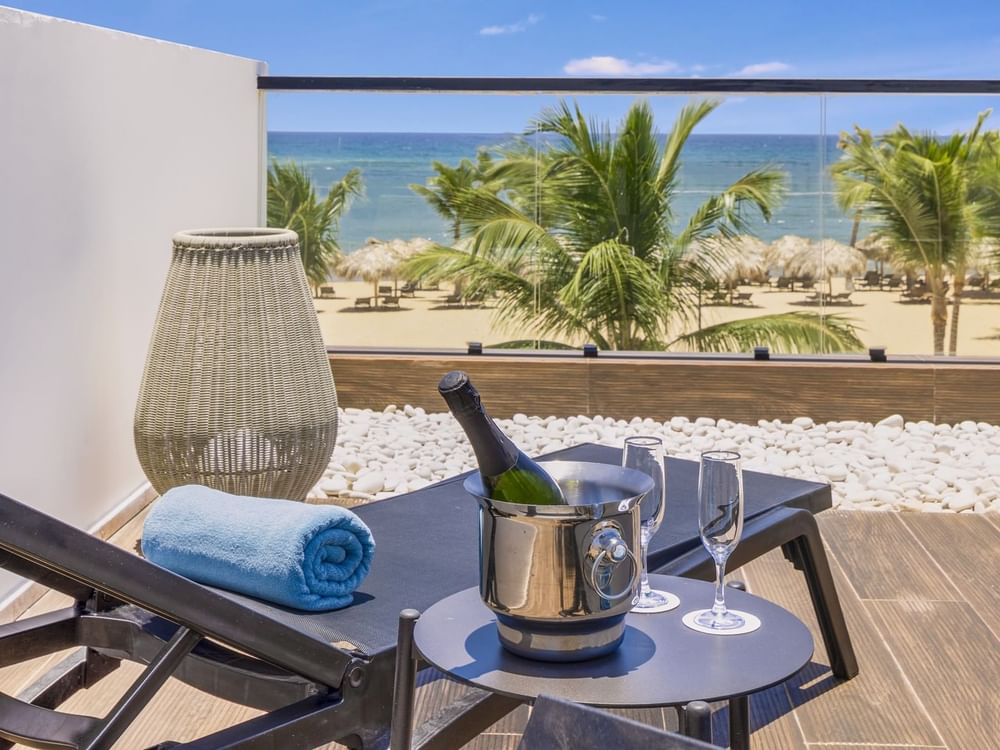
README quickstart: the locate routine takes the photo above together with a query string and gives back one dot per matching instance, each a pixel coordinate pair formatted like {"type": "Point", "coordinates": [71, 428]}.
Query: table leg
{"type": "Point", "coordinates": [695, 721]}
{"type": "Point", "coordinates": [404, 689]}
{"type": "Point", "coordinates": [739, 723]}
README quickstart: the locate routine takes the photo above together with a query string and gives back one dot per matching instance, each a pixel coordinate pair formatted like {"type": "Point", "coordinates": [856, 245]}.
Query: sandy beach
{"type": "Point", "coordinates": [424, 321]}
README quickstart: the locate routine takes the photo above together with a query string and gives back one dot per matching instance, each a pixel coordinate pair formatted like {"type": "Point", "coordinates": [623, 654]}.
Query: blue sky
{"type": "Point", "coordinates": [789, 38]}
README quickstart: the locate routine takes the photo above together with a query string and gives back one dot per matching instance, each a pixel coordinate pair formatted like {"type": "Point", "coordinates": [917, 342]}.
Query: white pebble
{"type": "Point", "coordinates": [333, 485]}
{"type": "Point", "coordinates": [889, 465]}
{"type": "Point", "coordinates": [369, 483]}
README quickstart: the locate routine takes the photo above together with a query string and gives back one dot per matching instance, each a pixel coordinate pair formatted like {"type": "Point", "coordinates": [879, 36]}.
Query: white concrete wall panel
{"type": "Point", "coordinates": [109, 143]}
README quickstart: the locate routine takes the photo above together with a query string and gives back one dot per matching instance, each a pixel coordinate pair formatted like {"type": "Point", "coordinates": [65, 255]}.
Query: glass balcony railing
{"type": "Point", "coordinates": [803, 216]}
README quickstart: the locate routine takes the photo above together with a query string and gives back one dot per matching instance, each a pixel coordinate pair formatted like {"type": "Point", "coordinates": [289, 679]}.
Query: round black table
{"type": "Point", "coordinates": [661, 662]}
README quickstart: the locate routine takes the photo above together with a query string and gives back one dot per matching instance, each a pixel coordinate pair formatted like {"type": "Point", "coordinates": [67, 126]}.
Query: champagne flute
{"type": "Point", "coordinates": [720, 520]}
{"type": "Point", "coordinates": [646, 454]}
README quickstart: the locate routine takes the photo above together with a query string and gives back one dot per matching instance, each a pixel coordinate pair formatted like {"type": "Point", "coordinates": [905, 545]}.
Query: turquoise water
{"type": "Point", "coordinates": [390, 162]}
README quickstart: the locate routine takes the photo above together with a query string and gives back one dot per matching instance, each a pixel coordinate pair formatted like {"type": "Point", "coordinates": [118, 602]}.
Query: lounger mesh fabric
{"type": "Point", "coordinates": [237, 393]}
{"type": "Point", "coordinates": [417, 569]}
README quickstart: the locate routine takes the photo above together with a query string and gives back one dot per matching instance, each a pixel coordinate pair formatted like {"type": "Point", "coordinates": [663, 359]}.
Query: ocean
{"type": "Point", "coordinates": [391, 162]}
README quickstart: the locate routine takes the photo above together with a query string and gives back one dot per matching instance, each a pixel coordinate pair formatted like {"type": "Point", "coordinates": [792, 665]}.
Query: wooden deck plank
{"type": "Point", "coordinates": [878, 555]}
{"type": "Point", "coordinates": [993, 518]}
{"type": "Point", "coordinates": [960, 544]}
{"type": "Point", "coordinates": [893, 705]}
{"type": "Point", "coordinates": [951, 661]}
{"type": "Point", "coordinates": [876, 707]}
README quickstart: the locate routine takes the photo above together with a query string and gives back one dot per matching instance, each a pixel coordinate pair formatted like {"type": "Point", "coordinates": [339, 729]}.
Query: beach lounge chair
{"type": "Point", "coordinates": [390, 301]}
{"type": "Point", "coordinates": [871, 279]}
{"type": "Point", "coordinates": [718, 298]}
{"type": "Point", "coordinates": [919, 293]}
{"type": "Point", "coordinates": [326, 676]}
{"type": "Point", "coordinates": [409, 289]}
{"type": "Point", "coordinates": [362, 301]}
{"type": "Point", "coordinates": [786, 282]}
{"type": "Point", "coordinates": [452, 300]}
{"type": "Point", "coordinates": [742, 298]}
{"type": "Point", "coordinates": [326, 291]}
{"type": "Point", "coordinates": [384, 290]}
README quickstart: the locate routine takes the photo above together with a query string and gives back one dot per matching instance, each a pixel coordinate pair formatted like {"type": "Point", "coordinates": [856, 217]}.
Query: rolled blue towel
{"type": "Point", "coordinates": [309, 557]}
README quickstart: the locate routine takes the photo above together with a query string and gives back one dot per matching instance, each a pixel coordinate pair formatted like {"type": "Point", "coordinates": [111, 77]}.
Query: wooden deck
{"type": "Point", "coordinates": [922, 598]}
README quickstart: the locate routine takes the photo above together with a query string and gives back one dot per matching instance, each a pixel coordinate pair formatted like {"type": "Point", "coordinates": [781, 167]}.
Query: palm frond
{"type": "Point", "coordinates": [784, 332]}
{"type": "Point", "coordinates": [292, 203]}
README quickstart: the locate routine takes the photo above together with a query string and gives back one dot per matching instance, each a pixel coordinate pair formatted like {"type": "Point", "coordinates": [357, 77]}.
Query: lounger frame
{"type": "Point", "coordinates": [127, 608]}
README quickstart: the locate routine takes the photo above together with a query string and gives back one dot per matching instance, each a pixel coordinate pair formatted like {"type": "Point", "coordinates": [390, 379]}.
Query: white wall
{"type": "Point", "coordinates": [109, 143]}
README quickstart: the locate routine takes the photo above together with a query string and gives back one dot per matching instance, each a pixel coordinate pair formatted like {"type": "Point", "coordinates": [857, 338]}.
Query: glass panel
{"type": "Point", "coordinates": [927, 227]}
{"type": "Point", "coordinates": [563, 238]}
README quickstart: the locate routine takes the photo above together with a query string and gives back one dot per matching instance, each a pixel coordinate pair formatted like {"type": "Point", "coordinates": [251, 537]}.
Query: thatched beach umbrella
{"type": "Point", "coordinates": [784, 249]}
{"type": "Point", "coordinates": [826, 259]}
{"type": "Point", "coordinates": [732, 259]}
{"type": "Point", "coordinates": [876, 247]}
{"type": "Point", "coordinates": [373, 261]}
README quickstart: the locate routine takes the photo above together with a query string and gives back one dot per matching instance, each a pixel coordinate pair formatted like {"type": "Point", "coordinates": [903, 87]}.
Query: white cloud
{"type": "Point", "coordinates": [511, 28]}
{"type": "Point", "coordinates": [605, 65]}
{"type": "Point", "coordinates": [763, 68]}
{"type": "Point", "coordinates": [598, 17]}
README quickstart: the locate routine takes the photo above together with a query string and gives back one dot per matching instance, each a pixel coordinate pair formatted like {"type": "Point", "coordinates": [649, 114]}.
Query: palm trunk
{"type": "Point", "coordinates": [854, 228]}
{"type": "Point", "coordinates": [956, 304]}
{"type": "Point", "coordinates": [456, 231]}
{"type": "Point", "coordinates": [939, 311]}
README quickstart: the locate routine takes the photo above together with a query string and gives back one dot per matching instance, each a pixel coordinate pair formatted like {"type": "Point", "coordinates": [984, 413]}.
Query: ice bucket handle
{"type": "Point", "coordinates": [608, 546]}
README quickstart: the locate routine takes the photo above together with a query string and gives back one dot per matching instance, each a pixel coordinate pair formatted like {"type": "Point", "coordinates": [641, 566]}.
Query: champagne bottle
{"type": "Point", "coordinates": [508, 474]}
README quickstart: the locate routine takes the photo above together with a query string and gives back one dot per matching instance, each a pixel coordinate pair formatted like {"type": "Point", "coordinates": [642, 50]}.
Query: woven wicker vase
{"type": "Point", "coordinates": [237, 392]}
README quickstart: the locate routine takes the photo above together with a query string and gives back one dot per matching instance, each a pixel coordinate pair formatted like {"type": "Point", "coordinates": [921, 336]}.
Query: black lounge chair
{"type": "Point", "coordinates": [362, 301]}
{"type": "Point", "coordinates": [390, 301]}
{"type": "Point", "coordinates": [556, 724]}
{"type": "Point", "coordinates": [327, 676]}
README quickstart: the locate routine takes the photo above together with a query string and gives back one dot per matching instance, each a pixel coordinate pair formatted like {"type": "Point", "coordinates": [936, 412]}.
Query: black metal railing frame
{"type": "Point", "coordinates": [501, 85]}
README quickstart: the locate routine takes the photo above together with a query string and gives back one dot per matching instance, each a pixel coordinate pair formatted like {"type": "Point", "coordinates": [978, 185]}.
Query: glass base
{"type": "Point", "coordinates": [655, 601]}
{"type": "Point", "coordinates": [732, 622]}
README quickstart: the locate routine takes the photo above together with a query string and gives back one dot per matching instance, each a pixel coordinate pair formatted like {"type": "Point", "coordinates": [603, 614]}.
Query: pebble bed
{"type": "Point", "coordinates": [888, 466]}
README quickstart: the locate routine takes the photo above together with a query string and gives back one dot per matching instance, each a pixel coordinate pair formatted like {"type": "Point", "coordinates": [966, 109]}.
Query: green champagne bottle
{"type": "Point", "coordinates": [508, 474]}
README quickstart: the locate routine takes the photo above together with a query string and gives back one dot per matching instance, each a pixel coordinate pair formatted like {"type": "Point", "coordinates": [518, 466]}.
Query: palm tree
{"type": "Point", "coordinates": [920, 190]}
{"type": "Point", "coordinates": [292, 203]}
{"type": "Point", "coordinates": [442, 190]}
{"type": "Point", "coordinates": [582, 242]}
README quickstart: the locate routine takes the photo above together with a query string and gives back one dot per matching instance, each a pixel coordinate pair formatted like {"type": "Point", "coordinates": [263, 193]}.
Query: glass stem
{"type": "Point", "coordinates": [644, 587]}
{"type": "Point", "coordinates": [719, 608]}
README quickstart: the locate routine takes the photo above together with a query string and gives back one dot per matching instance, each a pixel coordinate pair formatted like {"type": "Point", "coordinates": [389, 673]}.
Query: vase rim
{"type": "Point", "coordinates": [228, 237]}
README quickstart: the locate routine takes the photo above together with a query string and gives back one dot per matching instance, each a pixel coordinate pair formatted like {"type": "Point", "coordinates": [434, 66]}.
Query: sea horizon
{"type": "Point", "coordinates": [391, 161]}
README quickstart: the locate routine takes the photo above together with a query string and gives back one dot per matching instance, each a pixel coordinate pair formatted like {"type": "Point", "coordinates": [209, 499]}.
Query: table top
{"type": "Point", "coordinates": [661, 662]}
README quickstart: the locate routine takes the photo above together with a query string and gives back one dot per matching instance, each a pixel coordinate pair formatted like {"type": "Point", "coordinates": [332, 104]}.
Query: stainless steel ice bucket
{"type": "Point", "coordinates": [561, 578]}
